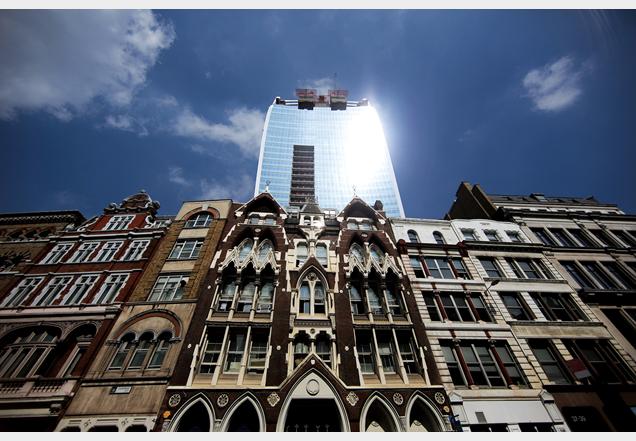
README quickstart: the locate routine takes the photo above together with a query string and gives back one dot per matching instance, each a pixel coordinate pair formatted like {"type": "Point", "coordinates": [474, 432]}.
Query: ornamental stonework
{"type": "Point", "coordinates": [352, 398]}
{"type": "Point", "coordinates": [222, 400]}
{"type": "Point", "coordinates": [273, 399]}
{"type": "Point", "coordinates": [398, 398]}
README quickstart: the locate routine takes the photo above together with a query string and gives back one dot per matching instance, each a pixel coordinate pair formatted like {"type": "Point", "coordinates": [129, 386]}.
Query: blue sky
{"type": "Point", "coordinates": [95, 106]}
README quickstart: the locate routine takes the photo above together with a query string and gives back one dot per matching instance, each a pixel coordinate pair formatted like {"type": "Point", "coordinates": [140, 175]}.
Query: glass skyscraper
{"type": "Point", "coordinates": [350, 153]}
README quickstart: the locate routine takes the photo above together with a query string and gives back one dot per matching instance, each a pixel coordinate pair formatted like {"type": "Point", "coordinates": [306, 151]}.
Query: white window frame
{"type": "Point", "coordinates": [119, 222]}
{"type": "Point", "coordinates": [57, 253]}
{"type": "Point", "coordinates": [52, 290]}
{"type": "Point", "coordinates": [107, 251]}
{"type": "Point", "coordinates": [162, 282]}
{"type": "Point", "coordinates": [110, 289]}
{"type": "Point", "coordinates": [81, 252]}
{"type": "Point", "coordinates": [136, 249]}
{"type": "Point", "coordinates": [177, 252]}
{"type": "Point", "coordinates": [83, 283]}
{"type": "Point", "coordinates": [22, 291]}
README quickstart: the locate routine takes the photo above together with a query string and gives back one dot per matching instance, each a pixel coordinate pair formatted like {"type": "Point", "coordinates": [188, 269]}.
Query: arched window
{"type": "Point", "coordinates": [301, 348]}
{"type": "Point", "coordinates": [199, 220]}
{"type": "Point", "coordinates": [312, 296]}
{"type": "Point", "coordinates": [301, 253]}
{"type": "Point", "coordinates": [244, 249]}
{"type": "Point", "coordinates": [323, 347]}
{"type": "Point", "coordinates": [195, 419]}
{"type": "Point", "coordinates": [322, 254]}
{"type": "Point", "coordinates": [141, 351]}
{"type": "Point", "coordinates": [376, 254]}
{"type": "Point", "coordinates": [263, 250]}
{"type": "Point", "coordinates": [356, 250]}
{"type": "Point", "coordinates": [24, 356]}
{"type": "Point", "coordinates": [413, 237]}
{"type": "Point", "coordinates": [124, 346]}
{"type": "Point", "coordinates": [161, 349]}
{"type": "Point", "coordinates": [439, 238]}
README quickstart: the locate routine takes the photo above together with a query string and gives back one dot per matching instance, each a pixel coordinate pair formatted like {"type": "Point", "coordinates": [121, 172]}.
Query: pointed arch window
{"type": "Point", "coordinates": [413, 237]}
{"type": "Point", "coordinates": [312, 296]}
{"type": "Point", "coordinates": [263, 250]}
{"type": "Point", "coordinates": [376, 254]}
{"type": "Point", "coordinates": [356, 250]}
{"type": "Point", "coordinates": [244, 249]}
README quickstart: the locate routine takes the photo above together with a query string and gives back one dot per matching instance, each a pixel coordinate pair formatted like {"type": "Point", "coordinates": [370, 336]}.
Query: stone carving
{"type": "Point", "coordinates": [398, 399]}
{"type": "Point", "coordinates": [222, 400]}
{"type": "Point", "coordinates": [439, 397]}
{"type": "Point", "coordinates": [313, 387]}
{"type": "Point", "coordinates": [273, 399]}
{"type": "Point", "coordinates": [352, 398]}
{"type": "Point", "coordinates": [174, 400]}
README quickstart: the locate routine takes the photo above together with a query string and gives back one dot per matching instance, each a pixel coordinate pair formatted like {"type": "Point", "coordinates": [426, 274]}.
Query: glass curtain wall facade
{"type": "Point", "coordinates": [351, 155]}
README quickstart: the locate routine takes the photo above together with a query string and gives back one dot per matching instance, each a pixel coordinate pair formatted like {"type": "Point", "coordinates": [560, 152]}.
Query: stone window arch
{"type": "Point", "coordinates": [312, 296]}
{"type": "Point", "coordinates": [439, 237]}
{"type": "Point", "coordinates": [413, 237]}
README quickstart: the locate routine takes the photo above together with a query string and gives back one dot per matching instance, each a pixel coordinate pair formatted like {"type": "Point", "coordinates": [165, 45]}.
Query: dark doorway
{"type": "Point", "coordinates": [195, 419]}
{"type": "Point", "coordinates": [317, 415]}
{"type": "Point", "coordinates": [244, 419]}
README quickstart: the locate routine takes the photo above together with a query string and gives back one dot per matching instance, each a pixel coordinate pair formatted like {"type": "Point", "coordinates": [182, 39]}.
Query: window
{"type": "Point", "coordinates": [392, 297]}
{"type": "Point", "coordinates": [311, 296]}
{"type": "Point", "coordinates": [516, 306]}
{"type": "Point", "coordinates": [108, 251]}
{"type": "Point", "coordinates": [458, 306]}
{"type": "Point", "coordinates": [246, 297]}
{"type": "Point", "coordinates": [110, 289]}
{"type": "Point", "coordinates": [376, 254]}
{"type": "Point", "coordinates": [357, 302]}
{"type": "Point", "coordinates": [460, 269]}
{"type": "Point", "coordinates": [489, 365]}
{"type": "Point", "coordinates": [581, 238]}
{"type": "Point", "coordinates": [599, 275]}
{"type": "Point", "coordinates": [136, 250]}
{"type": "Point", "coordinates": [574, 271]}
{"type": "Point", "coordinates": [212, 351]}
{"type": "Point", "coordinates": [301, 348]}
{"type": "Point", "coordinates": [245, 248]}
{"type": "Point", "coordinates": [469, 234]}
{"type": "Point", "coordinates": [263, 251]}
{"type": "Point", "coordinates": [119, 223]}
{"type": "Point", "coordinates": [79, 290]}
{"type": "Point", "coordinates": [491, 235]}
{"type": "Point", "coordinates": [375, 307]}
{"type": "Point", "coordinates": [407, 353]}
{"type": "Point", "coordinates": [322, 254]}
{"type": "Point", "coordinates": [385, 350]}
{"type": "Point", "coordinates": [624, 236]}
{"type": "Point", "coordinates": [524, 269]}
{"type": "Point", "coordinates": [514, 236]}
{"type": "Point", "coordinates": [543, 236]}
{"type": "Point", "coordinates": [21, 292]}
{"type": "Point", "coordinates": [550, 361]}
{"type": "Point", "coordinates": [56, 254]}
{"type": "Point", "coordinates": [557, 306]}
{"type": "Point", "coordinates": [25, 355]}
{"type": "Point", "coordinates": [168, 288]}
{"type": "Point", "coordinates": [266, 297]}
{"type": "Point", "coordinates": [356, 251]}
{"type": "Point", "coordinates": [490, 266]}
{"type": "Point", "coordinates": [125, 344]}
{"type": "Point", "coordinates": [618, 273]}
{"type": "Point", "coordinates": [605, 240]}
{"type": "Point", "coordinates": [364, 347]}
{"type": "Point", "coordinates": [141, 351]}
{"type": "Point", "coordinates": [417, 267]}
{"type": "Point", "coordinates": [439, 268]}
{"type": "Point", "coordinates": [601, 359]}
{"type": "Point", "coordinates": [186, 249]}
{"type": "Point", "coordinates": [625, 321]}
{"type": "Point", "coordinates": [199, 220]}
{"type": "Point", "coordinates": [83, 252]}
{"type": "Point", "coordinates": [235, 351]}
{"type": "Point", "coordinates": [301, 253]}
{"type": "Point", "coordinates": [439, 238]}
{"type": "Point", "coordinates": [51, 291]}
{"type": "Point", "coordinates": [413, 237]}
{"type": "Point", "coordinates": [323, 348]}
{"type": "Point", "coordinates": [161, 349]}
{"type": "Point", "coordinates": [562, 237]}
{"type": "Point", "coordinates": [258, 353]}
{"type": "Point", "coordinates": [226, 296]}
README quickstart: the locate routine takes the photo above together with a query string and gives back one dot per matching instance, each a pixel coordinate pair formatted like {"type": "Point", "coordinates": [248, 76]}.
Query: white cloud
{"type": "Point", "coordinates": [322, 85]}
{"type": "Point", "coordinates": [554, 86]}
{"type": "Point", "coordinates": [59, 61]}
{"type": "Point", "coordinates": [244, 129]}
{"type": "Point", "coordinates": [240, 189]}
{"type": "Point", "coordinates": [122, 122]}
{"type": "Point", "coordinates": [175, 175]}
